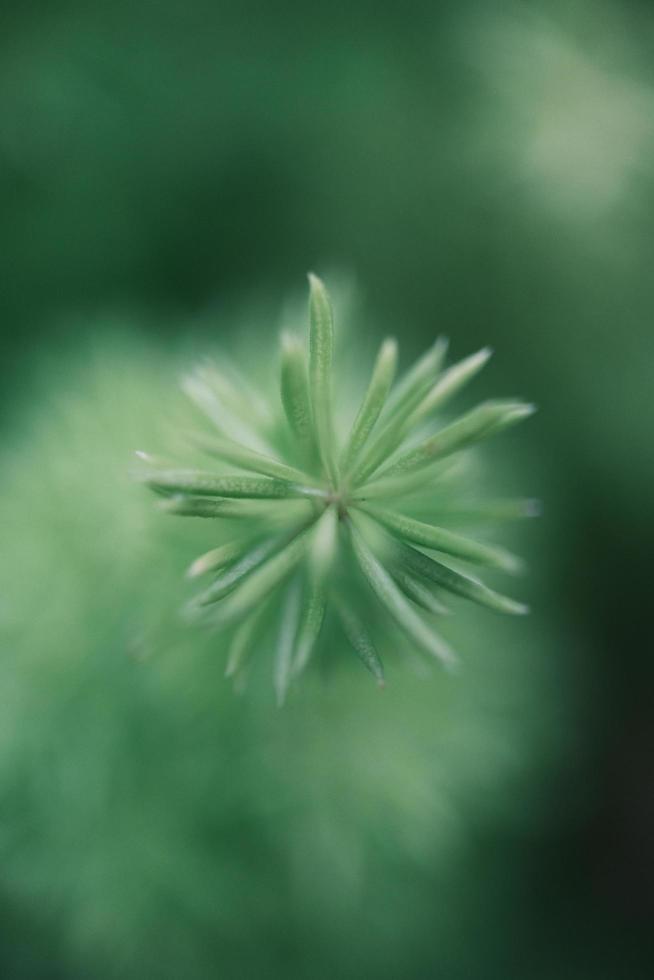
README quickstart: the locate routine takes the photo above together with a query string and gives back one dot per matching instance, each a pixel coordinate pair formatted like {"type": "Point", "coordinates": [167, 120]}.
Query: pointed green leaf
{"type": "Point", "coordinates": [241, 647]}
{"type": "Point", "coordinates": [231, 452]}
{"type": "Point", "coordinates": [286, 642]}
{"type": "Point", "coordinates": [274, 512]}
{"type": "Point", "coordinates": [411, 388]}
{"type": "Point", "coordinates": [373, 402]}
{"type": "Point", "coordinates": [397, 604]}
{"type": "Point", "coordinates": [262, 581]}
{"type": "Point", "coordinates": [313, 616]}
{"type": "Point", "coordinates": [408, 394]}
{"type": "Point", "coordinates": [360, 640]}
{"type": "Point", "coordinates": [186, 505]}
{"type": "Point", "coordinates": [217, 558]}
{"type": "Point", "coordinates": [419, 593]}
{"type": "Point", "coordinates": [201, 483]}
{"type": "Point", "coordinates": [204, 397]}
{"type": "Point", "coordinates": [404, 484]}
{"type": "Point", "coordinates": [321, 353]}
{"type": "Point", "coordinates": [447, 386]}
{"type": "Point", "coordinates": [295, 396]}
{"type": "Point", "coordinates": [485, 420]}
{"type": "Point", "coordinates": [491, 511]}
{"type": "Point", "coordinates": [418, 563]}
{"type": "Point", "coordinates": [321, 556]}
{"type": "Point", "coordinates": [227, 581]}
{"type": "Point", "coordinates": [440, 539]}
{"type": "Point", "coordinates": [236, 393]}
{"type": "Point", "coordinates": [323, 545]}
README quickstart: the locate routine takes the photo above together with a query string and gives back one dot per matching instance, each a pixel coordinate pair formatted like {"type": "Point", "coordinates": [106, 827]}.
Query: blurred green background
{"type": "Point", "coordinates": [168, 173]}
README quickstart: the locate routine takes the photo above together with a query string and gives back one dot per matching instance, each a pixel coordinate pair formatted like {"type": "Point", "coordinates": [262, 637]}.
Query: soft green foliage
{"type": "Point", "coordinates": [325, 512]}
{"type": "Point", "coordinates": [156, 826]}
{"type": "Point", "coordinates": [487, 171]}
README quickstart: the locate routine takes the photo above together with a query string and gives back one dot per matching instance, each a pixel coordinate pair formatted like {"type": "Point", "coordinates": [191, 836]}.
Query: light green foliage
{"type": "Point", "coordinates": [322, 536]}
{"type": "Point", "coordinates": [163, 826]}
{"type": "Point", "coordinates": [397, 604]}
{"type": "Point", "coordinates": [440, 539]}
{"type": "Point", "coordinates": [380, 385]}
{"type": "Point", "coordinates": [295, 392]}
{"type": "Point", "coordinates": [361, 640]}
{"type": "Point", "coordinates": [321, 353]}
{"type": "Point", "coordinates": [195, 482]}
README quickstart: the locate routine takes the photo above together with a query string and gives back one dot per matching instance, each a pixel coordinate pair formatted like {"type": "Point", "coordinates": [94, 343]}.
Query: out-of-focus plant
{"type": "Point", "coordinates": [155, 823]}
{"type": "Point", "coordinates": [323, 519]}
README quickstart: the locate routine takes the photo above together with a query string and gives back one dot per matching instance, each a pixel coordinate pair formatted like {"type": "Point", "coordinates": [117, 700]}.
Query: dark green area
{"type": "Point", "coordinates": [168, 174]}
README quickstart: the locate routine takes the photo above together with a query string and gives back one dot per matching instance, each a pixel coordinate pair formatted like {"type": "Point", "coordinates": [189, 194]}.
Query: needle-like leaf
{"type": "Point", "coordinates": [186, 505]}
{"type": "Point", "coordinates": [240, 648]}
{"type": "Point", "coordinates": [373, 402]}
{"type": "Point", "coordinates": [261, 582]}
{"type": "Point", "coordinates": [485, 420]}
{"type": "Point", "coordinates": [204, 397]}
{"type": "Point", "coordinates": [490, 511]}
{"type": "Point", "coordinates": [227, 581]}
{"type": "Point", "coordinates": [217, 558]}
{"type": "Point", "coordinates": [397, 604]}
{"type": "Point", "coordinates": [421, 594]}
{"type": "Point", "coordinates": [405, 484]}
{"type": "Point", "coordinates": [200, 483]}
{"type": "Point", "coordinates": [321, 352]}
{"type": "Point", "coordinates": [420, 564]}
{"type": "Point", "coordinates": [411, 388]}
{"type": "Point", "coordinates": [448, 385]}
{"type": "Point", "coordinates": [236, 393]}
{"type": "Point", "coordinates": [323, 545]}
{"type": "Point", "coordinates": [313, 616]}
{"type": "Point", "coordinates": [295, 395]}
{"type": "Point", "coordinates": [286, 642]}
{"type": "Point", "coordinates": [320, 558]}
{"type": "Point", "coordinates": [360, 640]}
{"type": "Point", "coordinates": [402, 402]}
{"type": "Point", "coordinates": [247, 459]}
{"type": "Point", "coordinates": [440, 539]}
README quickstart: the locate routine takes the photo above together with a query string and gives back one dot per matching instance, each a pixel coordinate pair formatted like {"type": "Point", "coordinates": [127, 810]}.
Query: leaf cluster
{"type": "Point", "coordinates": [320, 522]}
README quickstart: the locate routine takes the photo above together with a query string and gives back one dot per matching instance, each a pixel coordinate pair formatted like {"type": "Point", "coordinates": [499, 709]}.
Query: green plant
{"type": "Point", "coordinates": [329, 523]}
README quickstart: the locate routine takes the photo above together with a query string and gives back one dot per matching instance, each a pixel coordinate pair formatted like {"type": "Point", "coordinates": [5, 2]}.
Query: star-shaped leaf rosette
{"type": "Point", "coordinates": [316, 530]}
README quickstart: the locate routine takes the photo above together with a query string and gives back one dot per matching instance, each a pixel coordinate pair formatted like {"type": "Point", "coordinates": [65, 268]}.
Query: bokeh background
{"type": "Point", "coordinates": [168, 174]}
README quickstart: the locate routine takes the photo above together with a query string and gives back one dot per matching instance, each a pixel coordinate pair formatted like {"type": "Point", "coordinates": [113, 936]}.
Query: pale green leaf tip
{"type": "Point", "coordinates": [515, 608]}
{"type": "Point", "coordinates": [201, 565]}
{"type": "Point", "coordinates": [511, 563]}
{"type": "Point", "coordinates": [514, 407]}
{"type": "Point", "coordinates": [289, 341]}
{"type": "Point", "coordinates": [476, 361]}
{"type": "Point", "coordinates": [524, 409]}
{"type": "Point", "coordinates": [169, 503]}
{"type": "Point", "coordinates": [479, 358]}
{"type": "Point", "coordinates": [196, 568]}
{"type": "Point", "coordinates": [315, 282]}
